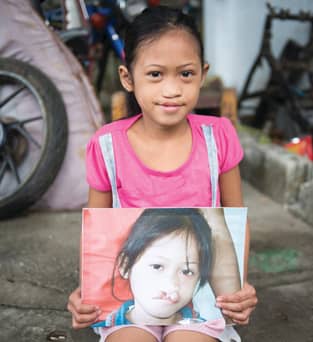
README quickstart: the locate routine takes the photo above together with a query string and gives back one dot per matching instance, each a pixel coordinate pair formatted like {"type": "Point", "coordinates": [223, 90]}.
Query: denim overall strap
{"type": "Point", "coordinates": [106, 145]}
{"type": "Point", "coordinates": [213, 160]}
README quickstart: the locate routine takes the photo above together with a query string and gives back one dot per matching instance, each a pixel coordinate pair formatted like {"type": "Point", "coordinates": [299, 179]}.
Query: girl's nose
{"type": "Point", "coordinates": [171, 88]}
{"type": "Point", "coordinates": [170, 289]}
{"type": "Point", "coordinates": [172, 296]}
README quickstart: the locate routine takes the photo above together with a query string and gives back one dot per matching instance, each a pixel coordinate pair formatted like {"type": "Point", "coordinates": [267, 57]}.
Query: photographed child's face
{"type": "Point", "coordinates": [164, 278]}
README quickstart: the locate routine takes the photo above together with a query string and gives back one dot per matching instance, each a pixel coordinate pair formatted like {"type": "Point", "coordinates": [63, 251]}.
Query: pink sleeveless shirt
{"type": "Point", "coordinates": [187, 186]}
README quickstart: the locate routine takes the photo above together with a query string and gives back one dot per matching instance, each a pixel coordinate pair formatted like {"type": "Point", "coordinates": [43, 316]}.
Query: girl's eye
{"type": "Point", "coordinates": [154, 74]}
{"type": "Point", "coordinates": [187, 73]}
{"type": "Point", "coordinates": [188, 272]}
{"type": "Point", "coordinates": [157, 267]}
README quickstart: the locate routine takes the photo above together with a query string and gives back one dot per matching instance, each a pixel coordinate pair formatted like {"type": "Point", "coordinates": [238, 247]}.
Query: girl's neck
{"type": "Point", "coordinates": [150, 130]}
{"type": "Point", "coordinates": [161, 149]}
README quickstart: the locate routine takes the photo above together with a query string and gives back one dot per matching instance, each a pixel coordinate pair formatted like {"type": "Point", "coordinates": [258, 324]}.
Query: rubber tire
{"type": "Point", "coordinates": [55, 145]}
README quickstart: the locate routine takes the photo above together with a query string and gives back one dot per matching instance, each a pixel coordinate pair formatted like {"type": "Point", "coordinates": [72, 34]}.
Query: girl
{"type": "Point", "coordinates": [166, 255]}
{"type": "Point", "coordinates": [164, 156]}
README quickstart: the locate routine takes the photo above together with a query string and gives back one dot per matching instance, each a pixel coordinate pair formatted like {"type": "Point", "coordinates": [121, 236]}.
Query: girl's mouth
{"type": "Point", "coordinates": [170, 108]}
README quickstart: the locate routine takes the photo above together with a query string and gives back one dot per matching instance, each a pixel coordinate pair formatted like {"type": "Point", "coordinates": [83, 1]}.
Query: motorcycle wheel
{"type": "Point", "coordinates": [33, 135]}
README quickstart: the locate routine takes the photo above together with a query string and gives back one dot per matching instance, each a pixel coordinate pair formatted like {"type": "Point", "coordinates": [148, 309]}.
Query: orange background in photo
{"type": "Point", "coordinates": [103, 232]}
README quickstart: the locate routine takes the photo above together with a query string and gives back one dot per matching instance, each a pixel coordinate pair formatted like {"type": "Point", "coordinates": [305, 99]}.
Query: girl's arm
{"type": "Point", "coordinates": [83, 315]}
{"type": "Point", "coordinates": [99, 199]}
{"type": "Point", "coordinates": [225, 275]}
{"type": "Point", "coordinates": [239, 305]}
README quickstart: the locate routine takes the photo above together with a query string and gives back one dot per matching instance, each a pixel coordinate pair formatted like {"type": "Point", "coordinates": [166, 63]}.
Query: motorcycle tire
{"type": "Point", "coordinates": [33, 135]}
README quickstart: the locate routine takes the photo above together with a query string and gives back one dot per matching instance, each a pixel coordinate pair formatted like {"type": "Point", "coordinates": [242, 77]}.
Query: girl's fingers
{"type": "Point", "coordinates": [83, 315]}
{"type": "Point", "coordinates": [81, 308]}
{"type": "Point", "coordinates": [78, 325]}
{"type": "Point", "coordinates": [238, 306]}
{"type": "Point", "coordinates": [75, 304]}
{"type": "Point", "coordinates": [241, 318]}
{"type": "Point", "coordinates": [246, 293]}
{"type": "Point", "coordinates": [83, 320]}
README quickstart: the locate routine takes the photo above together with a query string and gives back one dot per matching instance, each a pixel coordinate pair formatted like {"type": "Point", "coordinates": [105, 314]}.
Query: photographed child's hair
{"type": "Point", "coordinates": [150, 25]}
{"type": "Point", "coordinates": [156, 223]}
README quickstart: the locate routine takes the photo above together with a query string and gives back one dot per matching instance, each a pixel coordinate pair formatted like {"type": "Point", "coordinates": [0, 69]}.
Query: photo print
{"type": "Point", "coordinates": [161, 266]}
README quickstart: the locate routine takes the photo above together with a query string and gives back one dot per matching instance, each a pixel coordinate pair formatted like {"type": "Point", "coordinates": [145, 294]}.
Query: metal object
{"type": "Point", "coordinates": [286, 71]}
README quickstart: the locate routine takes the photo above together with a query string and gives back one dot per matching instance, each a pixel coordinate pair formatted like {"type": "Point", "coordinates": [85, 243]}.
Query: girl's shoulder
{"type": "Point", "coordinates": [115, 126]}
{"type": "Point", "coordinates": [219, 123]}
{"type": "Point", "coordinates": [223, 129]}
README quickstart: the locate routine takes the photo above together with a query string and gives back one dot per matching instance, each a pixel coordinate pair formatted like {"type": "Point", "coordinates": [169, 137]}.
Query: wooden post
{"type": "Point", "coordinates": [228, 106]}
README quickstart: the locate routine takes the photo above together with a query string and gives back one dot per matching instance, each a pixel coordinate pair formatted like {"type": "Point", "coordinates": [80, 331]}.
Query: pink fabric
{"type": "Point", "coordinates": [187, 186]}
{"type": "Point", "coordinates": [212, 328]}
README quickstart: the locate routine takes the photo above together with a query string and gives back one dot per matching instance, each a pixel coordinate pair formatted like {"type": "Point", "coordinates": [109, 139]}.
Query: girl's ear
{"type": "Point", "coordinates": [205, 70]}
{"type": "Point", "coordinates": [125, 78]}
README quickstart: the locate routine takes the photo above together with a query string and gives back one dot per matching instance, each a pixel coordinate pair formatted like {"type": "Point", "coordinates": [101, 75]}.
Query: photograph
{"type": "Point", "coordinates": [160, 266]}
{"type": "Point", "coordinates": [156, 170]}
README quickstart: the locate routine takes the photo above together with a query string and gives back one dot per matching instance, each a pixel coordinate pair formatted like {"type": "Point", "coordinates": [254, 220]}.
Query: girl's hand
{"type": "Point", "coordinates": [239, 305]}
{"type": "Point", "coordinates": [83, 315]}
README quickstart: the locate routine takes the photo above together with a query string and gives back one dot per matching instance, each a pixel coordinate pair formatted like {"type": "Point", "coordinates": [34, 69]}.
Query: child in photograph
{"type": "Point", "coordinates": [164, 156]}
{"type": "Point", "coordinates": [166, 258]}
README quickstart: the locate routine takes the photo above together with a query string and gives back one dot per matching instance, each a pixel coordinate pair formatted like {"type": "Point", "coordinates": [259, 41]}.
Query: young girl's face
{"type": "Point", "coordinates": [166, 77]}
{"type": "Point", "coordinates": [163, 279]}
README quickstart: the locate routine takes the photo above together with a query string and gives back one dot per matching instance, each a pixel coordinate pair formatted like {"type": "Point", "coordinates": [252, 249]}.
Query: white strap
{"type": "Point", "coordinates": [213, 160]}
{"type": "Point", "coordinates": [106, 145]}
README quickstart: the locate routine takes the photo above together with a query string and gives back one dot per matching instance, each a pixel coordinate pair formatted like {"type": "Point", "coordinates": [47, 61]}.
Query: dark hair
{"type": "Point", "coordinates": [156, 223]}
{"type": "Point", "coordinates": [150, 24]}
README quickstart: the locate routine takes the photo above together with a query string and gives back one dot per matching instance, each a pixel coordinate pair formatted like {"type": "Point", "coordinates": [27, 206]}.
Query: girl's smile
{"type": "Point", "coordinates": [170, 107]}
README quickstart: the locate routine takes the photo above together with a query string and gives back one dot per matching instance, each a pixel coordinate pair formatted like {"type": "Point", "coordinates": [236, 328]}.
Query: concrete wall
{"type": "Point", "coordinates": [233, 31]}
{"type": "Point", "coordinates": [285, 177]}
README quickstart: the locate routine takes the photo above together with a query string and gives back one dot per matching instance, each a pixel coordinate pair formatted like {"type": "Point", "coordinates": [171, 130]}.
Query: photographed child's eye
{"type": "Point", "coordinates": [157, 267]}
{"type": "Point", "coordinates": [187, 272]}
